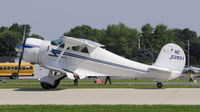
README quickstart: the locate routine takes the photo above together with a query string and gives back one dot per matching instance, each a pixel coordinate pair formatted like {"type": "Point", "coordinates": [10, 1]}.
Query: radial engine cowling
{"type": "Point", "coordinates": [31, 50]}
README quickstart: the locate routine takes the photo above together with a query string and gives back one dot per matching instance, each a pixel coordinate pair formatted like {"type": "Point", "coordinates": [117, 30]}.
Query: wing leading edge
{"type": "Point", "coordinates": [69, 41]}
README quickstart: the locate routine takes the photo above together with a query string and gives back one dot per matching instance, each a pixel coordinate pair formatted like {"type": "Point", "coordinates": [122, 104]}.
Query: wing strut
{"type": "Point", "coordinates": [61, 54]}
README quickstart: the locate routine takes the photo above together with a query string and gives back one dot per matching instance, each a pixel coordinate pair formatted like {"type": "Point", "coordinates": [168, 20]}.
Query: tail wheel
{"type": "Point", "coordinates": [159, 85]}
{"type": "Point", "coordinates": [14, 76]}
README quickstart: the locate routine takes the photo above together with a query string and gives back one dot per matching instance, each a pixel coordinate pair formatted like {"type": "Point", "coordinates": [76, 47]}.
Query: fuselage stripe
{"type": "Point", "coordinates": [55, 52]}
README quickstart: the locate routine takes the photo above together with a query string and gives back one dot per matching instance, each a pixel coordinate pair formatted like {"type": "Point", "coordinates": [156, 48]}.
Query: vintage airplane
{"type": "Point", "coordinates": [77, 58]}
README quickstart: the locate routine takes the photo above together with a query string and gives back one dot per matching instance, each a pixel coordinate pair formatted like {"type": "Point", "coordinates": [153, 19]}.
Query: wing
{"type": "Point", "coordinates": [84, 73]}
{"type": "Point", "coordinates": [70, 73]}
{"type": "Point", "coordinates": [69, 41]}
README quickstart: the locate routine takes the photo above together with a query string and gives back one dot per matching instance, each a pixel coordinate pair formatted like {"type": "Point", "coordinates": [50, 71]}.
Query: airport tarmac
{"type": "Point", "coordinates": [179, 96]}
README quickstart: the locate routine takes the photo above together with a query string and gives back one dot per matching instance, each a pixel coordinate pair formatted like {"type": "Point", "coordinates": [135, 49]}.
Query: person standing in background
{"type": "Point", "coordinates": [107, 79]}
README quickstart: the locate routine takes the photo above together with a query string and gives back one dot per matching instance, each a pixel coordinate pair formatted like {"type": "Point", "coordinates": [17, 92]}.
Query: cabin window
{"type": "Point", "coordinates": [12, 68]}
{"type": "Point", "coordinates": [80, 49]}
{"type": "Point", "coordinates": [1, 68]}
{"type": "Point", "coordinates": [23, 68]}
{"type": "Point", "coordinates": [31, 67]}
{"type": "Point", "coordinates": [4, 68]}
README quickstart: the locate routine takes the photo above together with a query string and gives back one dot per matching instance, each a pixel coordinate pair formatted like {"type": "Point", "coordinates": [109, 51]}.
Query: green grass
{"type": "Point", "coordinates": [90, 84]}
{"type": "Point", "coordinates": [65, 86]}
{"type": "Point", "coordinates": [92, 81]}
{"type": "Point", "coordinates": [100, 108]}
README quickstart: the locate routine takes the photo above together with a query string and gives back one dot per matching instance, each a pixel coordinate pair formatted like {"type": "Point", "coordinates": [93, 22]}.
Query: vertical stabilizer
{"type": "Point", "coordinates": [171, 56]}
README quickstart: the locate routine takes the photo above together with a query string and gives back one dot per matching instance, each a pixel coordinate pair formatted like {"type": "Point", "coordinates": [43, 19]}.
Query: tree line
{"type": "Point", "coordinates": [142, 46]}
{"type": "Point", "coordinates": [12, 36]}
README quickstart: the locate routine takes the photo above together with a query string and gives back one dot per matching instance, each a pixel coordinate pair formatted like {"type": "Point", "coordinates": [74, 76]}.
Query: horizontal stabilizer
{"type": "Point", "coordinates": [159, 72]}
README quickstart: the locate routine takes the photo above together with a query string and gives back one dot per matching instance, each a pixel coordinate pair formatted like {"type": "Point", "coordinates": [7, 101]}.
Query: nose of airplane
{"type": "Point", "coordinates": [19, 48]}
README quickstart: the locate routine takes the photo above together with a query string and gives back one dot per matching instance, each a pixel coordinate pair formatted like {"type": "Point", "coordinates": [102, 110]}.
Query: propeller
{"type": "Point", "coordinates": [20, 48]}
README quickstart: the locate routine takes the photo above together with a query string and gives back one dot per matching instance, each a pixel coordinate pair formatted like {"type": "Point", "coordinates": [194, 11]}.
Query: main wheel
{"type": "Point", "coordinates": [45, 85]}
{"type": "Point", "coordinates": [159, 85]}
{"type": "Point", "coordinates": [57, 82]}
{"type": "Point", "coordinates": [49, 86]}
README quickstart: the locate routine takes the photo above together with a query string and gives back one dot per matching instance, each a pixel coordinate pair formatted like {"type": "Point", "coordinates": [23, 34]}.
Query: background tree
{"type": "Point", "coordinates": [8, 41]}
{"type": "Point", "coordinates": [181, 37]}
{"type": "Point", "coordinates": [20, 28]}
{"type": "Point", "coordinates": [117, 38]}
{"type": "Point", "coordinates": [12, 36]}
{"type": "Point", "coordinates": [37, 36]}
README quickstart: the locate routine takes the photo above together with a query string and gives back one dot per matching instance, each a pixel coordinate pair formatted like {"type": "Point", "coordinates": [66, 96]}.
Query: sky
{"type": "Point", "coordinates": [51, 18]}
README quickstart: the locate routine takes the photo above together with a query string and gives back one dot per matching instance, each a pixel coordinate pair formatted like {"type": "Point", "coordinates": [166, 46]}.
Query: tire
{"type": "Point", "coordinates": [57, 82]}
{"type": "Point", "coordinates": [159, 85]}
{"type": "Point", "coordinates": [49, 86]}
{"type": "Point", "coordinates": [14, 76]}
{"type": "Point", "coordinates": [45, 85]}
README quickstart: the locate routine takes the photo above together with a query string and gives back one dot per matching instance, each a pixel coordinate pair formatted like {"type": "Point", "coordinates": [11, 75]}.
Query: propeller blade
{"type": "Point", "coordinates": [23, 38]}
{"type": "Point", "coordinates": [23, 44]}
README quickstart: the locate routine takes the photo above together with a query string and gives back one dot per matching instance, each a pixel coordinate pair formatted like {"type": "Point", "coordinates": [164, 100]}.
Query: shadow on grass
{"type": "Point", "coordinates": [37, 89]}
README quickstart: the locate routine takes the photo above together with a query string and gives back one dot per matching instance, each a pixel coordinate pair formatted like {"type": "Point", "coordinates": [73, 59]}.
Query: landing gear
{"type": "Point", "coordinates": [159, 84]}
{"type": "Point", "coordinates": [52, 80]}
{"type": "Point", "coordinates": [49, 86]}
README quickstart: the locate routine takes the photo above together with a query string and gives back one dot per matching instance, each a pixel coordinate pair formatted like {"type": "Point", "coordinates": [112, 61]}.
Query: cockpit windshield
{"type": "Point", "coordinates": [57, 42]}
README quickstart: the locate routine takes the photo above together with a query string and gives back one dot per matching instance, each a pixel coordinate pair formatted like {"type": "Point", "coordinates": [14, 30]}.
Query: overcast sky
{"type": "Point", "coordinates": [51, 18]}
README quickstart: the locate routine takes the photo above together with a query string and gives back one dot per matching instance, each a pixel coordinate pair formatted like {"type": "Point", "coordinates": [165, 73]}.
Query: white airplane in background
{"type": "Point", "coordinates": [77, 58]}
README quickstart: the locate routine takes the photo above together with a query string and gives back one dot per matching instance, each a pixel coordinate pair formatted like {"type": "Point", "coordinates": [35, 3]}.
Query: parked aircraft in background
{"type": "Point", "coordinates": [77, 58]}
{"type": "Point", "coordinates": [191, 69]}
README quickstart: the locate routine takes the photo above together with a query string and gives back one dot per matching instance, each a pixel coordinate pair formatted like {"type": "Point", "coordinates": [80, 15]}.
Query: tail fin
{"type": "Point", "coordinates": [171, 56]}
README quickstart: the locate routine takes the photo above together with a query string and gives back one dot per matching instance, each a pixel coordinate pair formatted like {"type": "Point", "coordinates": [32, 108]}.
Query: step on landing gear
{"type": "Point", "coordinates": [159, 84]}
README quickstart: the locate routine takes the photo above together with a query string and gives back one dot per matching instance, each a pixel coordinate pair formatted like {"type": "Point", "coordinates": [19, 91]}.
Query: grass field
{"type": "Point", "coordinates": [90, 84]}
{"type": "Point", "coordinates": [92, 81]}
{"type": "Point", "coordinates": [100, 108]}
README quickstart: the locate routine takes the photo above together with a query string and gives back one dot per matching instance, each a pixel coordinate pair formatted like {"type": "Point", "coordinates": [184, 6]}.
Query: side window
{"type": "Point", "coordinates": [85, 50]}
{"type": "Point", "coordinates": [16, 68]}
{"type": "Point", "coordinates": [4, 68]}
{"type": "Point", "coordinates": [31, 67]}
{"type": "Point", "coordinates": [23, 67]}
{"type": "Point", "coordinates": [12, 68]}
{"type": "Point", "coordinates": [80, 49]}
{"type": "Point", "coordinates": [62, 45]}
{"type": "Point", "coordinates": [1, 68]}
